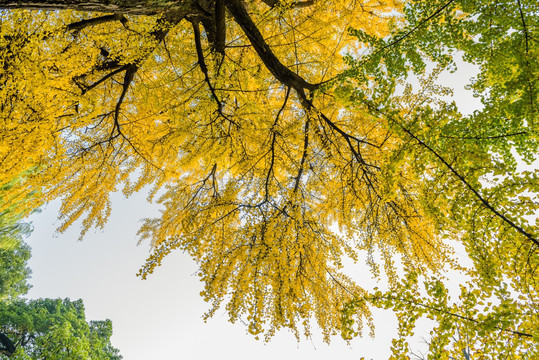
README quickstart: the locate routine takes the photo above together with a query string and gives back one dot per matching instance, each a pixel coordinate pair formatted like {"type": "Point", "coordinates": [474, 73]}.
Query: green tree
{"type": "Point", "coordinates": [53, 329]}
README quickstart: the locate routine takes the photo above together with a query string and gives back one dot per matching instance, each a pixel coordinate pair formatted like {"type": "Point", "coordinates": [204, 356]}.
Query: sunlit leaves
{"type": "Point", "coordinates": [276, 158]}
{"type": "Point", "coordinates": [244, 168]}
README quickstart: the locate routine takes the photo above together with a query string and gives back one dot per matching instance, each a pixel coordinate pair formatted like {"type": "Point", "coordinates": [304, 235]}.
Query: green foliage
{"type": "Point", "coordinates": [14, 252]}
{"type": "Point", "coordinates": [53, 329]}
{"type": "Point", "coordinates": [472, 186]}
{"type": "Point", "coordinates": [13, 267]}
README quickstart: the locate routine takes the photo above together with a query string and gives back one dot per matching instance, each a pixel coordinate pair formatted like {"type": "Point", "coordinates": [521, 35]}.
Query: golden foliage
{"type": "Point", "coordinates": [267, 185]}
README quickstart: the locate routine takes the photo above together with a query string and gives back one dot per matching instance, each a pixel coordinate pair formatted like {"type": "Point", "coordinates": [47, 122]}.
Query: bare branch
{"type": "Point", "coordinates": [202, 63]}
{"type": "Point", "coordinates": [104, 78]}
{"type": "Point", "coordinates": [304, 156]}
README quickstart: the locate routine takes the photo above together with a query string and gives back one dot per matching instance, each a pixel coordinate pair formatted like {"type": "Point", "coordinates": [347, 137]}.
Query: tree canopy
{"type": "Point", "coordinates": [281, 138]}
{"type": "Point", "coordinates": [53, 329]}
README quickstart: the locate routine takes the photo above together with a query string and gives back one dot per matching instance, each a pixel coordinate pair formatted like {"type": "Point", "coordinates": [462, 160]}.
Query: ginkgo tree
{"type": "Point", "coordinates": [476, 187]}
{"type": "Point", "coordinates": [274, 156]}
{"type": "Point", "coordinates": [231, 138]}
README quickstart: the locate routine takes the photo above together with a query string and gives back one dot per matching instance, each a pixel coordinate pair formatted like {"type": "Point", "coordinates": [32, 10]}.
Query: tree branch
{"type": "Point", "coordinates": [130, 71]}
{"type": "Point", "coordinates": [460, 178]}
{"type": "Point", "coordinates": [297, 4]}
{"type": "Point", "coordinates": [202, 64]}
{"type": "Point", "coordinates": [524, 26]}
{"type": "Point", "coordinates": [470, 187]}
{"type": "Point", "coordinates": [79, 25]}
{"type": "Point", "coordinates": [104, 78]}
{"type": "Point", "coordinates": [420, 24]}
{"type": "Point", "coordinates": [204, 69]}
{"type": "Point", "coordinates": [466, 318]}
{"type": "Point", "coordinates": [220, 26]}
{"type": "Point", "coordinates": [280, 71]}
{"type": "Point", "coordinates": [133, 7]}
{"type": "Point", "coordinates": [304, 156]}
{"type": "Point", "coordinates": [9, 347]}
{"type": "Point", "coordinates": [273, 139]}
{"type": "Point", "coordinates": [484, 137]}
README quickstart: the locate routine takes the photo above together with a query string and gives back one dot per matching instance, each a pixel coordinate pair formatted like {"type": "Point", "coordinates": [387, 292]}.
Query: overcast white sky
{"type": "Point", "coordinates": [160, 318]}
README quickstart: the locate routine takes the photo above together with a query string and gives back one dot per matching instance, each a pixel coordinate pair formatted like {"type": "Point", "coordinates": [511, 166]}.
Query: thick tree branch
{"type": "Point", "coordinates": [204, 69]}
{"type": "Point", "coordinates": [287, 77]}
{"type": "Point", "coordinates": [220, 26]}
{"type": "Point", "coordinates": [130, 71]}
{"type": "Point", "coordinates": [280, 71]}
{"type": "Point", "coordinates": [297, 4]}
{"type": "Point", "coordinates": [79, 25]}
{"type": "Point", "coordinates": [133, 7]}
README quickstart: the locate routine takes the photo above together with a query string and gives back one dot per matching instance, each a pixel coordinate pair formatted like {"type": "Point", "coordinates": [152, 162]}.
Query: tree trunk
{"type": "Point", "coordinates": [8, 346]}
{"type": "Point", "coordinates": [177, 10]}
{"type": "Point", "coordinates": [132, 7]}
